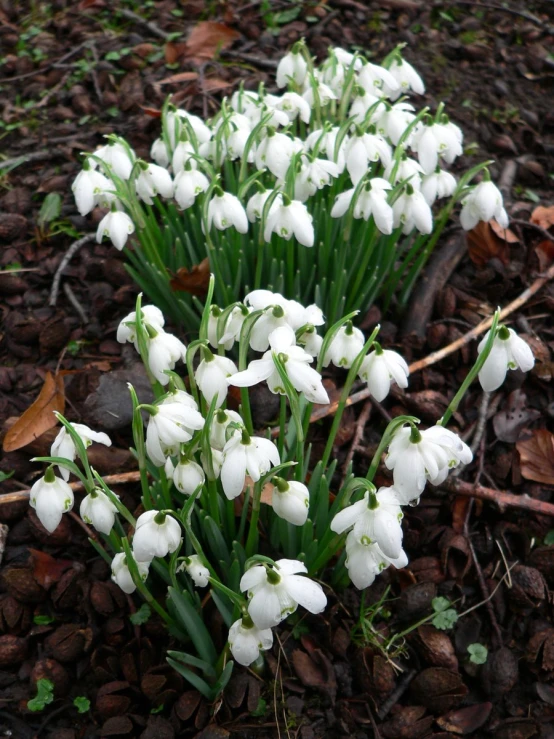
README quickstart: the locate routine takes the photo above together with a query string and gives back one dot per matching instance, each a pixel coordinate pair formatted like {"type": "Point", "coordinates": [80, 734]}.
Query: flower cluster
{"type": "Point", "coordinates": [342, 141]}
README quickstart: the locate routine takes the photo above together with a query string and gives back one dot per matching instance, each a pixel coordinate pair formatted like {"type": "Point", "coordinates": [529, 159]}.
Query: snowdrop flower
{"type": "Point", "coordinates": [406, 169]}
{"type": "Point", "coordinates": [393, 121]}
{"type": "Point", "coordinates": [290, 219]}
{"type": "Point", "coordinates": [117, 226]}
{"type": "Point", "coordinates": [296, 362]}
{"type": "Point", "coordinates": [188, 185]}
{"type": "Point", "coordinates": [364, 149]}
{"type": "Point", "coordinates": [121, 575]}
{"type": "Point", "coordinates": [99, 511]}
{"type": "Point", "coordinates": [164, 350]}
{"type": "Point", "coordinates": [509, 351]}
{"type": "Point", "coordinates": [218, 429]}
{"type": "Point", "coordinates": [171, 423]}
{"type": "Point", "coordinates": [379, 368]}
{"type": "Point", "coordinates": [290, 501]}
{"type": "Point", "coordinates": [294, 105]}
{"type": "Point", "coordinates": [117, 156]}
{"type": "Point", "coordinates": [376, 80]}
{"type": "Point", "coordinates": [212, 376]}
{"type": "Point", "coordinates": [291, 69]}
{"type": "Point", "coordinates": [243, 455]}
{"type": "Point", "coordinates": [188, 476]}
{"type": "Point", "coordinates": [160, 153]}
{"type": "Point", "coordinates": [153, 180]}
{"type": "Point", "coordinates": [372, 201]}
{"type": "Point", "coordinates": [90, 188]}
{"type": "Point", "coordinates": [410, 210]}
{"type": "Point", "coordinates": [439, 184]}
{"type": "Point", "coordinates": [245, 102]}
{"type": "Point", "coordinates": [64, 446]}
{"type": "Point", "coordinates": [313, 175]}
{"type": "Point", "coordinates": [156, 534]}
{"type": "Point", "coordinates": [406, 77]}
{"type": "Point", "coordinates": [196, 569]}
{"type": "Point", "coordinates": [225, 210]}
{"type": "Point", "coordinates": [362, 101]}
{"type": "Point", "coordinates": [364, 561]}
{"type": "Point", "coordinates": [437, 139]}
{"type": "Point", "coordinates": [277, 592]}
{"type": "Point", "coordinates": [376, 519]}
{"type": "Point", "coordinates": [278, 312]}
{"type": "Point", "coordinates": [325, 140]}
{"type": "Point", "coordinates": [212, 466]}
{"type": "Point", "coordinates": [176, 127]}
{"type": "Point", "coordinates": [51, 497]}
{"type": "Point", "coordinates": [416, 456]}
{"type": "Point", "coordinates": [246, 641]}
{"type": "Point", "coordinates": [274, 152]}
{"type": "Point", "coordinates": [183, 156]}
{"type": "Point", "coordinates": [345, 346]}
{"type": "Point", "coordinates": [255, 205]}
{"type": "Point", "coordinates": [483, 203]}
{"type": "Point", "coordinates": [152, 318]}
{"type": "Point", "coordinates": [311, 341]}
{"type": "Point", "coordinates": [315, 87]}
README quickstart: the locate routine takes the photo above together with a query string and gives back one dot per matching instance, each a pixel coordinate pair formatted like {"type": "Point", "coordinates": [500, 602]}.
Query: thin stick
{"type": "Point", "coordinates": [501, 498]}
{"type": "Point", "coordinates": [535, 226]}
{"type": "Point", "coordinates": [152, 27]}
{"type": "Point", "coordinates": [73, 249]}
{"type": "Point", "coordinates": [363, 418]}
{"type": "Point", "coordinates": [121, 479]}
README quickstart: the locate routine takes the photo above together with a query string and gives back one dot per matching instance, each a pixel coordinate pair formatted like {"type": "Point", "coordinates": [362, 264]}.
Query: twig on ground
{"type": "Point", "coordinates": [396, 694]}
{"type": "Point", "coordinates": [481, 421]}
{"type": "Point", "coordinates": [73, 249]}
{"type": "Point", "coordinates": [48, 66]}
{"type": "Point", "coordinates": [534, 226]}
{"type": "Point", "coordinates": [507, 177]}
{"type": "Point", "coordinates": [75, 303]}
{"type": "Point", "coordinates": [511, 11]}
{"type": "Point", "coordinates": [52, 91]}
{"type": "Point", "coordinates": [150, 25]}
{"type": "Point", "coordinates": [79, 521]}
{"type": "Point", "coordinates": [257, 61]}
{"type": "Point", "coordinates": [501, 498]}
{"type": "Point", "coordinates": [121, 478]}
{"type": "Point", "coordinates": [363, 418]}
{"type": "Point", "coordinates": [37, 156]}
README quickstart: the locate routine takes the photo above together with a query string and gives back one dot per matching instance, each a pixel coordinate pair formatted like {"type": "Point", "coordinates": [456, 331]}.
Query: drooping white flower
{"type": "Point", "coordinates": [218, 428]}
{"type": "Point", "coordinates": [117, 226]}
{"type": "Point", "coordinates": [183, 155]}
{"type": "Point", "coordinates": [255, 205]}
{"type": "Point", "coordinates": [159, 153]}
{"type": "Point", "coordinates": [121, 575]}
{"type": "Point", "coordinates": [393, 121]}
{"type": "Point", "coordinates": [226, 210]}
{"type": "Point", "coordinates": [509, 351]}
{"type": "Point", "coordinates": [297, 366]}
{"type": "Point", "coordinates": [292, 68]}
{"type": "Point", "coordinates": [417, 456]}
{"type": "Point", "coordinates": [164, 350]}
{"type": "Point", "coordinates": [177, 122]}
{"type": "Point", "coordinates": [406, 170]}
{"type": "Point", "coordinates": [483, 203]}
{"type": "Point", "coordinates": [277, 592]}
{"type": "Point", "coordinates": [212, 376]}
{"type": "Point", "coordinates": [379, 368]}
{"type": "Point", "coordinates": [311, 341]}
{"type": "Point", "coordinates": [91, 188]}
{"type": "Point", "coordinates": [151, 181]}
{"type": "Point", "coordinates": [410, 210]}
{"type": "Point", "coordinates": [99, 511]}
{"type": "Point", "coordinates": [375, 519]}
{"type": "Point", "coordinates": [315, 87]}
{"type": "Point", "coordinates": [278, 312]}
{"type": "Point", "coordinates": [275, 152]}
{"type": "Point", "coordinates": [188, 476]}
{"type": "Point", "coordinates": [365, 561]}
{"type": "Point", "coordinates": [173, 423]}
{"type": "Point", "coordinates": [188, 185]}
{"type": "Point", "coordinates": [288, 220]}
{"type": "Point", "coordinates": [117, 156]}
{"type": "Point", "coordinates": [64, 446]}
{"type": "Point", "coordinates": [294, 105]}
{"type": "Point", "coordinates": [197, 570]}
{"type": "Point", "coordinates": [376, 80]}
{"type": "Point", "coordinates": [362, 101]}
{"type": "Point", "coordinates": [312, 176]}
{"type": "Point", "coordinates": [51, 497]}
{"type": "Point", "coordinates": [372, 201]}
{"type": "Point", "coordinates": [246, 641]}
{"type": "Point", "coordinates": [242, 455]}
{"type": "Point", "coordinates": [345, 346]}
{"type": "Point", "coordinates": [406, 77]}
{"type": "Point", "coordinates": [437, 140]}
{"type": "Point", "coordinates": [290, 501]}
{"type": "Point", "coordinates": [438, 184]}
{"type": "Point", "coordinates": [325, 140]}
{"type": "Point", "coordinates": [156, 534]}
{"type": "Point", "coordinates": [127, 329]}
{"type": "Point", "coordinates": [364, 149]}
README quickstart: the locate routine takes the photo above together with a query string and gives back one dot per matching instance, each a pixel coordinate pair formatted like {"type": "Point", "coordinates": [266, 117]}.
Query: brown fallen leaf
{"type": "Point", "coordinates": [545, 254]}
{"type": "Point", "coordinates": [39, 417]}
{"type": "Point", "coordinates": [179, 77]}
{"type": "Point", "coordinates": [487, 241]}
{"type": "Point", "coordinates": [207, 38]}
{"type": "Point", "coordinates": [46, 569]}
{"type": "Point", "coordinates": [537, 456]}
{"type": "Point", "coordinates": [194, 281]}
{"type": "Point", "coordinates": [466, 720]}
{"type": "Point", "coordinates": [543, 216]}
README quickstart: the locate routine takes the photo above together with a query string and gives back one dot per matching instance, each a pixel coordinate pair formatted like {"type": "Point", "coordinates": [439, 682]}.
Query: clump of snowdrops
{"type": "Point", "coordinates": [335, 191]}
{"type": "Point", "coordinates": [249, 514]}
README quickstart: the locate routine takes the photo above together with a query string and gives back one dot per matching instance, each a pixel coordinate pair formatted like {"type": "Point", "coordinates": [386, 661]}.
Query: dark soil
{"type": "Point", "coordinates": [72, 72]}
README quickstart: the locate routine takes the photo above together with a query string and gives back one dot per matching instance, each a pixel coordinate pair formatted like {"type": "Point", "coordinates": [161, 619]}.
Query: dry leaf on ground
{"type": "Point", "coordinates": [487, 241]}
{"type": "Point", "coordinates": [194, 281]}
{"type": "Point", "coordinates": [537, 456]}
{"type": "Point", "coordinates": [204, 42]}
{"type": "Point", "coordinates": [39, 417]}
{"type": "Point", "coordinates": [543, 216]}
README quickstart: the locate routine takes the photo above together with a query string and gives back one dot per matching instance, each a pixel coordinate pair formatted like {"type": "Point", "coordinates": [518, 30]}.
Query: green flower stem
{"type": "Point", "coordinates": [282, 424]}
{"type": "Point", "coordinates": [235, 598]}
{"type": "Point", "coordinates": [140, 447]}
{"type": "Point", "coordinates": [473, 372]}
{"type": "Point", "coordinates": [328, 551]}
{"type": "Point", "coordinates": [252, 540]}
{"type": "Point", "coordinates": [213, 498]}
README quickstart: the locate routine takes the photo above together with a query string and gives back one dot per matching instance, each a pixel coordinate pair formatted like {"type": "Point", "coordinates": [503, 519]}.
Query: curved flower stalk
{"type": "Point", "coordinates": [306, 150]}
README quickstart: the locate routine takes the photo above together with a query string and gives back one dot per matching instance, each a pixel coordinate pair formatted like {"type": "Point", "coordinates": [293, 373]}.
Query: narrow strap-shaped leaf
{"type": "Point", "coordinates": [194, 624]}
